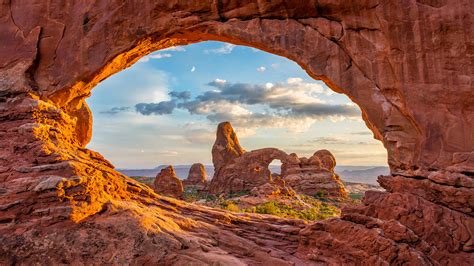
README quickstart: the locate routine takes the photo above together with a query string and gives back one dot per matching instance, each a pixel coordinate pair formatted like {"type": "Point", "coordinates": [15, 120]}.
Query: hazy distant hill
{"type": "Point", "coordinates": [357, 174]}
{"type": "Point", "coordinates": [181, 171]}
{"type": "Point", "coordinates": [367, 176]}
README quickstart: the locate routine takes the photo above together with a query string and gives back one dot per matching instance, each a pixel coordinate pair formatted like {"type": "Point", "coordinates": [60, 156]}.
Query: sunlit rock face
{"type": "Point", "coordinates": [168, 184]}
{"type": "Point", "coordinates": [406, 64]}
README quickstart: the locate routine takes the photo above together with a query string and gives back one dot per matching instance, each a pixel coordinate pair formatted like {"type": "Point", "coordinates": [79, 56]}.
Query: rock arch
{"type": "Point", "coordinates": [409, 71]}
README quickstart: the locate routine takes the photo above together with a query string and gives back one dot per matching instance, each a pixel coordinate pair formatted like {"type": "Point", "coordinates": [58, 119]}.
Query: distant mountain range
{"type": "Point", "coordinates": [366, 176]}
{"type": "Point", "coordinates": [356, 174]}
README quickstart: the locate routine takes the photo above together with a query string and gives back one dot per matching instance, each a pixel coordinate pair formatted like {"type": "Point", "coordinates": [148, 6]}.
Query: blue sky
{"type": "Point", "coordinates": [164, 109]}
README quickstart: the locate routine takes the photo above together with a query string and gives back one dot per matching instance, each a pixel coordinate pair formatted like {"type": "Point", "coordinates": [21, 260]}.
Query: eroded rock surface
{"type": "Point", "coordinates": [406, 64]}
{"type": "Point", "coordinates": [250, 169]}
{"type": "Point", "coordinates": [168, 184]}
{"type": "Point", "coordinates": [197, 176]}
{"type": "Point", "coordinates": [245, 172]}
{"type": "Point", "coordinates": [314, 175]}
{"type": "Point", "coordinates": [226, 147]}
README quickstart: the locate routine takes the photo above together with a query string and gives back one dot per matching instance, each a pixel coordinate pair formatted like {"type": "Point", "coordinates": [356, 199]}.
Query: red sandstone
{"type": "Point", "coordinates": [406, 64]}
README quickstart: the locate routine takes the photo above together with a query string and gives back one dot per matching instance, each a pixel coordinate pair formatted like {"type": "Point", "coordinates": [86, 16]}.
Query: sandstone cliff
{"type": "Point", "coordinates": [226, 147]}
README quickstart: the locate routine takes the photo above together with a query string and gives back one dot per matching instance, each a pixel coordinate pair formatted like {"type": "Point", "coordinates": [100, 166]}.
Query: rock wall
{"type": "Point", "coordinates": [407, 65]}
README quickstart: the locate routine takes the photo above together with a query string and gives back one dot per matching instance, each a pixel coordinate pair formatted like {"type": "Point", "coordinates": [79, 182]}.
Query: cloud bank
{"type": "Point", "coordinates": [293, 104]}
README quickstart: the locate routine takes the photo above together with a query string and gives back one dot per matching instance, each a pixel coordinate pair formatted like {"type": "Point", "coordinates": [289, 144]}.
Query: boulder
{"type": "Point", "coordinates": [167, 183]}
{"type": "Point", "coordinates": [197, 176]}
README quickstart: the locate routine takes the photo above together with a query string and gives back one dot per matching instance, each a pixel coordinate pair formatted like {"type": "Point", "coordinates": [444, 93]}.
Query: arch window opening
{"type": "Point", "coordinates": [165, 109]}
{"type": "Point", "coordinates": [275, 167]}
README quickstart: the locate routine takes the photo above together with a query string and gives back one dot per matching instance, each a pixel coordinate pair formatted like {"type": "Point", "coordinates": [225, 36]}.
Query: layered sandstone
{"type": "Point", "coordinates": [245, 172]}
{"type": "Point", "coordinates": [406, 64]}
{"type": "Point", "coordinates": [314, 175]}
{"type": "Point", "coordinates": [197, 176]}
{"type": "Point", "coordinates": [168, 184]}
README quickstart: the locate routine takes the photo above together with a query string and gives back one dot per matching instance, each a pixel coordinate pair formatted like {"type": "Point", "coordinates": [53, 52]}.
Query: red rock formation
{"type": "Point", "coordinates": [313, 175]}
{"type": "Point", "coordinates": [324, 159]}
{"type": "Point", "coordinates": [197, 176]}
{"type": "Point", "coordinates": [276, 188]}
{"type": "Point", "coordinates": [250, 169]}
{"type": "Point", "coordinates": [406, 64]}
{"type": "Point", "coordinates": [245, 172]}
{"type": "Point", "coordinates": [168, 184]}
{"type": "Point", "coordinates": [226, 147]}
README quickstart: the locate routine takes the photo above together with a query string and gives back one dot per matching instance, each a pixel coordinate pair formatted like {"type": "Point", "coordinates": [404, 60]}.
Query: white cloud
{"type": "Point", "coordinates": [168, 153]}
{"type": "Point", "coordinates": [193, 69]}
{"type": "Point", "coordinates": [224, 49]}
{"type": "Point", "coordinates": [154, 56]}
{"type": "Point", "coordinates": [220, 81]}
{"type": "Point", "coordinates": [261, 69]}
{"type": "Point", "coordinates": [130, 86]}
{"type": "Point", "coordinates": [275, 66]}
{"type": "Point", "coordinates": [175, 49]}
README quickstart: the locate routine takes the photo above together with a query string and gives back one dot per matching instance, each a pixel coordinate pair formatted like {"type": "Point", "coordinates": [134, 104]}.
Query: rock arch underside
{"type": "Point", "coordinates": [407, 64]}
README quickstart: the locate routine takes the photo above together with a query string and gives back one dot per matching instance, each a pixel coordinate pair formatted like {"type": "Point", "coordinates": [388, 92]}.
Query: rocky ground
{"type": "Point", "coordinates": [274, 202]}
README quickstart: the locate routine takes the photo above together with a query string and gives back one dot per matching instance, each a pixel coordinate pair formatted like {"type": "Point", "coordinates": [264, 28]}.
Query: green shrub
{"type": "Point", "coordinates": [320, 194]}
{"type": "Point", "coordinates": [270, 207]}
{"type": "Point", "coordinates": [356, 196]}
{"type": "Point", "coordinates": [238, 194]}
{"type": "Point", "coordinates": [211, 197]}
{"type": "Point", "coordinates": [317, 212]}
{"type": "Point", "coordinates": [230, 206]}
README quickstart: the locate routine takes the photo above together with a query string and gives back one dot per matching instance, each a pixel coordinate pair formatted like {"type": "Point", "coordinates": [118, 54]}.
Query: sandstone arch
{"type": "Point", "coordinates": [407, 64]}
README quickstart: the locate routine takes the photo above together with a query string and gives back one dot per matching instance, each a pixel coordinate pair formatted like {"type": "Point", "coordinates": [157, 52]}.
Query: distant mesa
{"type": "Point", "coordinates": [167, 183]}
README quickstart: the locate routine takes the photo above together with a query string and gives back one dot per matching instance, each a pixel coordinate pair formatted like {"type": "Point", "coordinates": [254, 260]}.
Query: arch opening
{"type": "Point", "coordinates": [164, 111]}
{"type": "Point", "coordinates": [166, 86]}
{"type": "Point", "coordinates": [275, 167]}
